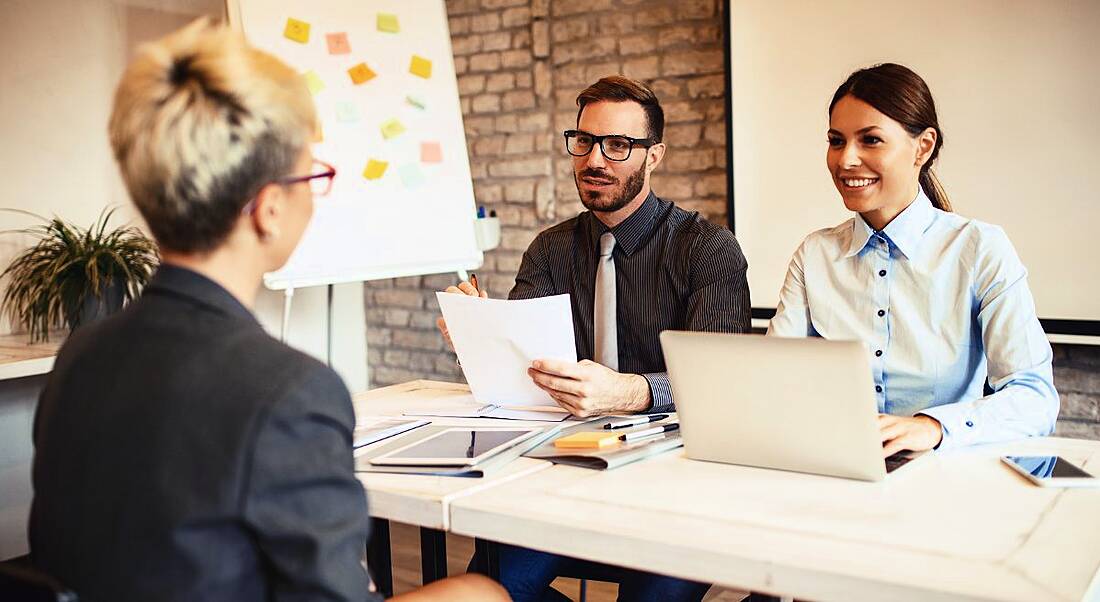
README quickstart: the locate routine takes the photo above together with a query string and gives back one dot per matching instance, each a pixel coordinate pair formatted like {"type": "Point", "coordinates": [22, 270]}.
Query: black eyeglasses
{"type": "Point", "coordinates": [616, 148]}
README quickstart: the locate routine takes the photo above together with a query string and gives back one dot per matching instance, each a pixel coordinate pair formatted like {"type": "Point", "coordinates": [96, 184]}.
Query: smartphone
{"type": "Point", "coordinates": [1051, 471]}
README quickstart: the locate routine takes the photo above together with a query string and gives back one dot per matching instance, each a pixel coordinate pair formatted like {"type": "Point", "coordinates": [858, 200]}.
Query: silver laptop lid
{"type": "Point", "coordinates": [805, 405]}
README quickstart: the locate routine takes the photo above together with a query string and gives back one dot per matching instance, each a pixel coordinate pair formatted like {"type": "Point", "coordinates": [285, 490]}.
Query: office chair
{"type": "Point", "coordinates": [24, 583]}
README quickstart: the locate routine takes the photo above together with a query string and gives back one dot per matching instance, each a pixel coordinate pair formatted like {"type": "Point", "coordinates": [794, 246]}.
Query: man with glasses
{"type": "Point", "coordinates": [633, 265]}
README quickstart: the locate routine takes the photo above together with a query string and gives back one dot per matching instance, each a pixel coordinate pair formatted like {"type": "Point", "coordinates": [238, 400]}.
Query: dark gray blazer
{"type": "Point", "coordinates": [181, 453]}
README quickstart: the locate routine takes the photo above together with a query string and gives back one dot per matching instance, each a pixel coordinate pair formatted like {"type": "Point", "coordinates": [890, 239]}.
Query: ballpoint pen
{"type": "Point", "coordinates": [657, 430]}
{"type": "Point", "coordinates": [635, 421]}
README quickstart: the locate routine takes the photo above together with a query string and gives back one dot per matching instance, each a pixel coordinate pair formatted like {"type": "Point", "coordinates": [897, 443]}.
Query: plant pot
{"type": "Point", "coordinates": [96, 308]}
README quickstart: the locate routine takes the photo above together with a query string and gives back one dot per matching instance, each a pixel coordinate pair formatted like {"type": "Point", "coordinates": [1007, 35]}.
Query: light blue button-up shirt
{"type": "Point", "coordinates": [941, 301]}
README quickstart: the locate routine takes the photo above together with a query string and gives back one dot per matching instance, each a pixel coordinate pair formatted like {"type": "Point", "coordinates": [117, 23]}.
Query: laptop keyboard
{"type": "Point", "coordinates": [896, 461]}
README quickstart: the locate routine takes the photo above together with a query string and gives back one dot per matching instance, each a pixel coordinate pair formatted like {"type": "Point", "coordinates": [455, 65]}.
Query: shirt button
{"type": "Point", "coordinates": [881, 312]}
{"type": "Point", "coordinates": [878, 353]}
{"type": "Point", "coordinates": [882, 272]}
{"type": "Point", "coordinates": [969, 423]}
{"type": "Point", "coordinates": [878, 388]}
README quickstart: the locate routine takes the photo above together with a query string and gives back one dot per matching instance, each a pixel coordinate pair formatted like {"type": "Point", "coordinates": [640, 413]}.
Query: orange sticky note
{"type": "Point", "coordinates": [313, 82]}
{"type": "Point", "coordinates": [388, 23]}
{"type": "Point", "coordinates": [420, 66]}
{"type": "Point", "coordinates": [375, 169]}
{"type": "Point", "coordinates": [587, 440]}
{"type": "Point", "coordinates": [431, 152]}
{"type": "Point", "coordinates": [361, 74]}
{"type": "Point", "coordinates": [338, 43]}
{"type": "Point", "coordinates": [392, 128]}
{"type": "Point", "coordinates": [296, 30]}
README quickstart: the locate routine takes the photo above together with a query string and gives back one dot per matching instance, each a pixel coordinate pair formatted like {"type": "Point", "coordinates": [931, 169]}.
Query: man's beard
{"type": "Point", "coordinates": [613, 199]}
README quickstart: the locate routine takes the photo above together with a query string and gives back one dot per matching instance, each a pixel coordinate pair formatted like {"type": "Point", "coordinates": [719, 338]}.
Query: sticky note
{"type": "Point", "coordinates": [347, 112]}
{"type": "Point", "coordinates": [588, 440]}
{"type": "Point", "coordinates": [296, 30]}
{"type": "Point", "coordinates": [416, 101]}
{"type": "Point", "coordinates": [375, 169]}
{"type": "Point", "coordinates": [388, 23]}
{"type": "Point", "coordinates": [338, 43]}
{"type": "Point", "coordinates": [411, 176]}
{"type": "Point", "coordinates": [392, 128]}
{"type": "Point", "coordinates": [361, 74]}
{"type": "Point", "coordinates": [430, 152]}
{"type": "Point", "coordinates": [420, 66]}
{"type": "Point", "coordinates": [313, 81]}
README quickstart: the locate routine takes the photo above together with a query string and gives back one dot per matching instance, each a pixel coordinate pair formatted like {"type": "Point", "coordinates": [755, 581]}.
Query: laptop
{"type": "Point", "coordinates": [805, 405]}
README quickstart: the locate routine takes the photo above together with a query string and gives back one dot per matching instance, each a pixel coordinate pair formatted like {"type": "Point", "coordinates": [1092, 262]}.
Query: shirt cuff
{"type": "Point", "coordinates": [958, 423]}
{"type": "Point", "coordinates": [660, 393]}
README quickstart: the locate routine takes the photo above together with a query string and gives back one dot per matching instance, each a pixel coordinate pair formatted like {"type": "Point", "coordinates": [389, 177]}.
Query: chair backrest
{"type": "Point", "coordinates": [25, 583]}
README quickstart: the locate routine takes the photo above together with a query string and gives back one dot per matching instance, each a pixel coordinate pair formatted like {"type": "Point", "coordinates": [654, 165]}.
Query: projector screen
{"type": "Point", "coordinates": [1017, 89]}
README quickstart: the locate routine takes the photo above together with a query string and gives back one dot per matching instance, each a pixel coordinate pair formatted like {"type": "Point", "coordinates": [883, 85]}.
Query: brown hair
{"type": "Point", "coordinates": [900, 94]}
{"type": "Point", "coordinates": [618, 88]}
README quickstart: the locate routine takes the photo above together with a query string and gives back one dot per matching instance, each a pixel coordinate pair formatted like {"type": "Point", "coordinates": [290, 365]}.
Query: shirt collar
{"type": "Point", "coordinates": [182, 282]}
{"type": "Point", "coordinates": [632, 232]}
{"type": "Point", "coordinates": [904, 231]}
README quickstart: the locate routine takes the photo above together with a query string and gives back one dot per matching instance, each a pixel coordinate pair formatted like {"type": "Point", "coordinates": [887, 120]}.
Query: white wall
{"type": "Point", "coordinates": [61, 60]}
{"type": "Point", "coordinates": [1017, 87]}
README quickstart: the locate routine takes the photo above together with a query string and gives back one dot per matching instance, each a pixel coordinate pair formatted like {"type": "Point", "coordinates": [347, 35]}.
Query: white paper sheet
{"type": "Point", "coordinates": [496, 341]}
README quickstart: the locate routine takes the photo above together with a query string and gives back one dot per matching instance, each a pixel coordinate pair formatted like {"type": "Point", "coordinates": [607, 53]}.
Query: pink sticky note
{"type": "Point", "coordinates": [430, 152]}
{"type": "Point", "coordinates": [338, 43]}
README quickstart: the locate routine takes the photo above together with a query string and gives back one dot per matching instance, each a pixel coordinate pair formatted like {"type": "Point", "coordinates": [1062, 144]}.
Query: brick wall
{"type": "Point", "coordinates": [520, 65]}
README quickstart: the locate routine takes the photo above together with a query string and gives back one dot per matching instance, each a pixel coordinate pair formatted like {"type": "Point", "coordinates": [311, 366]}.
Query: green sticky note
{"type": "Point", "coordinates": [388, 23]}
{"type": "Point", "coordinates": [416, 101]}
{"type": "Point", "coordinates": [392, 128]}
{"type": "Point", "coordinates": [411, 176]}
{"type": "Point", "coordinates": [313, 81]}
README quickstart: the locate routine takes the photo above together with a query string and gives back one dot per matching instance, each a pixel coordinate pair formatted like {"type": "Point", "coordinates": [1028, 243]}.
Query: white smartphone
{"type": "Point", "coordinates": [456, 447]}
{"type": "Point", "coordinates": [1051, 471]}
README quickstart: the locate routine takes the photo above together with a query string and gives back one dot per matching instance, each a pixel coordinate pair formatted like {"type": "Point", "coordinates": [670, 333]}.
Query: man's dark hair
{"type": "Point", "coordinates": [618, 88]}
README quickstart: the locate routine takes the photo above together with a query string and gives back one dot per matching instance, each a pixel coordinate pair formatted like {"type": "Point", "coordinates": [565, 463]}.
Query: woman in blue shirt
{"type": "Point", "coordinates": [941, 300]}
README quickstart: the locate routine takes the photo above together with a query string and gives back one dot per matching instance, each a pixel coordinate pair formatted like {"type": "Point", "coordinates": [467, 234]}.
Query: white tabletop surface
{"type": "Point", "coordinates": [955, 526]}
{"type": "Point", "coordinates": [19, 358]}
{"type": "Point", "coordinates": [425, 500]}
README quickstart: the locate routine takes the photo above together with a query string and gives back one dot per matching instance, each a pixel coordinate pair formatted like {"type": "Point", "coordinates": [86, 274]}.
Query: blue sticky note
{"type": "Point", "coordinates": [347, 112]}
{"type": "Point", "coordinates": [411, 176]}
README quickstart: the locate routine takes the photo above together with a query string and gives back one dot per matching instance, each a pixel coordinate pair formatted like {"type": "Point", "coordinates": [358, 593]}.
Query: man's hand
{"type": "Point", "coordinates": [899, 433]}
{"type": "Point", "coordinates": [463, 288]}
{"type": "Point", "coordinates": [586, 388]}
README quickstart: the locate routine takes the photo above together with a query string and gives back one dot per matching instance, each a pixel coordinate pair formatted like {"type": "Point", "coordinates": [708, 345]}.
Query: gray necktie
{"type": "Point", "coordinates": [605, 334]}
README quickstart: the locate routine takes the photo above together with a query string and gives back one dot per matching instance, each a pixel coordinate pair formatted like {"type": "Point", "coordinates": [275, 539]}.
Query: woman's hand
{"type": "Point", "coordinates": [900, 433]}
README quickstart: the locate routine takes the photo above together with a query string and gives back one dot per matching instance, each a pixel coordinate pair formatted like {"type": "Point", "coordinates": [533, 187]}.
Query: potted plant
{"type": "Point", "coordinates": [73, 275]}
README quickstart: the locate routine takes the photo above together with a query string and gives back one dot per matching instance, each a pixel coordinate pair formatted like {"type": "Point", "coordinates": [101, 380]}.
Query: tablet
{"type": "Point", "coordinates": [456, 447]}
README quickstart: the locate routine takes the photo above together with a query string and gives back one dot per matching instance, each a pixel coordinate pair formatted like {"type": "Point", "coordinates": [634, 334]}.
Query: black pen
{"type": "Point", "coordinates": [622, 424]}
{"type": "Point", "coordinates": [657, 430]}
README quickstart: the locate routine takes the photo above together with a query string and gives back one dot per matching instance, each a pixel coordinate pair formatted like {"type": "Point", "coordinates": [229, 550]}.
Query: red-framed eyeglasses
{"type": "Point", "coordinates": [320, 182]}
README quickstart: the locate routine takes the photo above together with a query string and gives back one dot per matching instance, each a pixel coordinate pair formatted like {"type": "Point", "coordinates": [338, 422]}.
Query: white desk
{"type": "Point", "coordinates": [420, 500]}
{"type": "Point", "coordinates": [19, 358]}
{"type": "Point", "coordinates": [958, 526]}
{"type": "Point", "coordinates": [425, 500]}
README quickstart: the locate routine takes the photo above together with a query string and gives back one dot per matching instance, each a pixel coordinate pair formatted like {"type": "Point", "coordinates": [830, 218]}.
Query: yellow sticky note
{"type": "Point", "coordinates": [375, 169]}
{"type": "Point", "coordinates": [388, 23]}
{"type": "Point", "coordinates": [296, 30]}
{"type": "Point", "coordinates": [392, 128]}
{"type": "Point", "coordinates": [313, 81]}
{"type": "Point", "coordinates": [587, 440]}
{"type": "Point", "coordinates": [420, 66]}
{"type": "Point", "coordinates": [361, 74]}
